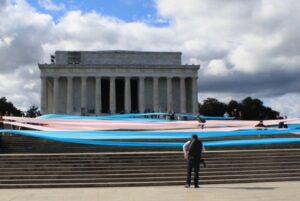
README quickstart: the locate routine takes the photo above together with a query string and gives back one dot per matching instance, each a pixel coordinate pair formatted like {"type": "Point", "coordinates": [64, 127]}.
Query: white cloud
{"type": "Point", "coordinates": [288, 104]}
{"type": "Point", "coordinates": [49, 5]}
{"type": "Point", "coordinates": [22, 34]}
{"type": "Point", "coordinates": [92, 31]}
{"type": "Point", "coordinates": [216, 67]}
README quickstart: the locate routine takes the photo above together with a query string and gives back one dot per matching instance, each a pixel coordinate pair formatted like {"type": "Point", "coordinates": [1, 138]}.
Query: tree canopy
{"type": "Point", "coordinates": [247, 109]}
{"type": "Point", "coordinates": [33, 111]}
{"type": "Point", "coordinates": [213, 107]}
{"type": "Point", "coordinates": [9, 108]}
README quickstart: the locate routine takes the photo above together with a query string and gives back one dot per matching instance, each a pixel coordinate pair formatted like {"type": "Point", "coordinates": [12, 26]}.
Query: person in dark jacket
{"type": "Point", "coordinates": [192, 153]}
{"type": "Point", "coordinates": [260, 125]}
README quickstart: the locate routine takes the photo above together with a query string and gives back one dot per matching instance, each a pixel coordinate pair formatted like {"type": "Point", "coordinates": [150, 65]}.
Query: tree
{"type": "Point", "coordinates": [212, 107]}
{"type": "Point", "coordinates": [233, 107]}
{"type": "Point", "coordinates": [250, 109]}
{"type": "Point", "coordinates": [33, 111]}
{"type": "Point", "coordinates": [253, 109]}
{"type": "Point", "coordinates": [9, 108]}
{"type": "Point", "coordinates": [270, 114]}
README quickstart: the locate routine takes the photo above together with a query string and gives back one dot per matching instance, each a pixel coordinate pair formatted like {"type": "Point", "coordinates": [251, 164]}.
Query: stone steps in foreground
{"type": "Point", "coordinates": [156, 183]}
{"type": "Point", "coordinates": [204, 174]}
{"type": "Point", "coordinates": [145, 168]}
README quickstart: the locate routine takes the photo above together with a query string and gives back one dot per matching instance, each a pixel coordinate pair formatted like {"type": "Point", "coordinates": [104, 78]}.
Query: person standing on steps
{"type": "Point", "coordinates": [201, 121]}
{"type": "Point", "coordinates": [192, 150]}
{"type": "Point", "coordinates": [260, 125]}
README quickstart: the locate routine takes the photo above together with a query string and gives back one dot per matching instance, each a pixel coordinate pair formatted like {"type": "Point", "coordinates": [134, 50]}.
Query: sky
{"type": "Point", "coordinates": [245, 48]}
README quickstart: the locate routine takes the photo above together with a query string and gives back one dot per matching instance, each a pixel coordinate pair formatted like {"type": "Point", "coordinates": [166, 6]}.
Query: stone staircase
{"type": "Point", "coordinates": [147, 168]}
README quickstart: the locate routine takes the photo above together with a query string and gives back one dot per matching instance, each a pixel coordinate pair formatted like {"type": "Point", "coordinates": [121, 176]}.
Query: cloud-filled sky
{"type": "Point", "coordinates": [245, 48]}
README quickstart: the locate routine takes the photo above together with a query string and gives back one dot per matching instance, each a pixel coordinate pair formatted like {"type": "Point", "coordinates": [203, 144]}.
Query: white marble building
{"type": "Point", "coordinates": [95, 82]}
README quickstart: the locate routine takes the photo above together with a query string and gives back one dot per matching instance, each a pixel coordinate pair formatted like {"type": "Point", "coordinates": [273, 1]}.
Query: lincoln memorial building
{"type": "Point", "coordinates": [95, 82]}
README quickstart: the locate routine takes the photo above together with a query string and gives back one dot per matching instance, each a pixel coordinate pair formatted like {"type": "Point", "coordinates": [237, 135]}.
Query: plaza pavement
{"type": "Point", "coordinates": [271, 191]}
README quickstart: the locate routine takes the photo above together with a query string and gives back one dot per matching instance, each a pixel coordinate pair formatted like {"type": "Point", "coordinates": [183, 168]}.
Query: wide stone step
{"type": "Point", "coordinates": [148, 161]}
{"type": "Point", "coordinates": [140, 172]}
{"type": "Point", "coordinates": [156, 183]}
{"type": "Point", "coordinates": [148, 156]}
{"type": "Point", "coordinates": [149, 179]}
{"type": "Point", "coordinates": [103, 166]}
{"type": "Point", "coordinates": [147, 170]}
{"type": "Point", "coordinates": [144, 159]}
{"type": "Point", "coordinates": [179, 173]}
{"type": "Point", "coordinates": [142, 167]}
{"type": "Point", "coordinates": [157, 163]}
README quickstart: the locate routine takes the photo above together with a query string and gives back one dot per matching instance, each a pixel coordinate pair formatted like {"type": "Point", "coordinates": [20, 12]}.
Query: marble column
{"type": "Point", "coordinates": [55, 94]}
{"type": "Point", "coordinates": [141, 94]}
{"type": "Point", "coordinates": [194, 95]}
{"type": "Point", "coordinates": [44, 96]}
{"type": "Point", "coordinates": [70, 95]}
{"type": "Point", "coordinates": [169, 95]}
{"type": "Point", "coordinates": [112, 95]}
{"type": "Point", "coordinates": [127, 95]}
{"type": "Point", "coordinates": [98, 103]}
{"type": "Point", "coordinates": [155, 94]}
{"type": "Point", "coordinates": [182, 95]}
{"type": "Point", "coordinates": [83, 95]}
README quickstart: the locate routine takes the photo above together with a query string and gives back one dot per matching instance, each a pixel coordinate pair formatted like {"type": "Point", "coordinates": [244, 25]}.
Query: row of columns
{"type": "Point", "coordinates": [112, 94]}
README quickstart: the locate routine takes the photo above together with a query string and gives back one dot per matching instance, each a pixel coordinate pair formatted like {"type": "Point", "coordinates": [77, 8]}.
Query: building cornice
{"type": "Point", "coordinates": [77, 70]}
{"type": "Point", "coordinates": [91, 66]}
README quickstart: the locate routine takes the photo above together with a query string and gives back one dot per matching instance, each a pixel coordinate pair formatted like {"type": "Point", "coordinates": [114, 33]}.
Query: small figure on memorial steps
{"type": "Point", "coordinates": [260, 125]}
{"type": "Point", "coordinates": [282, 125]}
{"type": "Point", "coordinates": [201, 121]}
{"type": "Point", "coordinates": [226, 115]}
{"type": "Point", "coordinates": [172, 116]}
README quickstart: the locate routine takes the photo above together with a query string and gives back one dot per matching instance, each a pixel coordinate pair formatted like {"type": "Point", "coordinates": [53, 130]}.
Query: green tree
{"type": "Point", "coordinates": [9, 108]}
{"type": "Point", "coordinates": [253, 109]}
{"type": "Point", "coordinates": [33, 111]}
{"type": "Point", "coordinates": [233, 106]}
{"type": "Point", "coordinates": [249, 109]}
{"type": "Point", "coordinates": [270, 114]}
{"type": "Point", "coordinates": [213, 107]}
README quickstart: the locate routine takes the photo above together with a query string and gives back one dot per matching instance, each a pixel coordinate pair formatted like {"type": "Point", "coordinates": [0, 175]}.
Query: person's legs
{"type": "Point", "coordinates": [196, 173]}
{"type": "Point", "coordinates": [203, 162]}
{"type": "Point", "coordinates": [189, 172]}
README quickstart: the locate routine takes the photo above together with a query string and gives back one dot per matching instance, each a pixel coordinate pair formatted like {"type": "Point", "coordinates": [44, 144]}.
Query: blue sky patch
{"type": "Point", "coordinates": [127, 10]}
